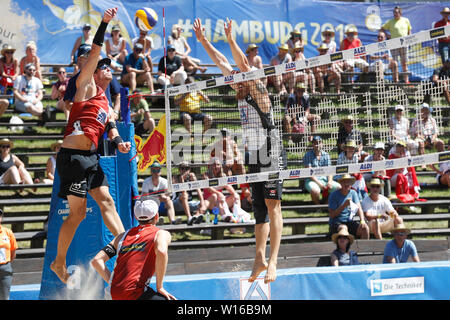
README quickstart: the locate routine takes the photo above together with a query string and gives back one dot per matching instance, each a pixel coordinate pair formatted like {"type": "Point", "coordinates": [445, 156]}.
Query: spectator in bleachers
{"type": "Point", "coordinates": [8, 247]}
{"type": "Point", "coordinates": [140, 114]}
{"type": "Point", "coordinates": [349, 155]}
{"type": "Point", "coordinates": [343, 205]}
{"type": "Point", "coordinates": [28, 92]}
{"type": "Point", "coordinates": [399, 249]}
{"type": "Point", "coordinates": [425, 129]}
{"type": "Point", "coordinates": [379, 62]}
{"type": "Point", "coordinates": [399, 129]}
{"type": "Point", "coordinates": [182, 49]}
{"type": "Point", "coordinates": [227, 150]}
{"type": "Point", "coordinates": [51, 163]}
{"type": "Point", "coordinates": [444, 43]}
{"type": "Point", "coordinates": [147, 44]}
{"type": "Point", "coordinates": [116, 48]}
{"type": "Point", "coordinates": [317, 185]}
{"type": "Point", "coordinates": [136, 70]}
{"type": "Point", "coordinates": [173, 72]}
{"type": "Point", "coordinates": [190, 103]}
{"type": "Point", "coordinates": [399, 27]}
{"type": "Point", "coordinates": [403, 179]}
{"type": "Point", "coordinates": [441, 76]}
{"type": "Point", "coordinates": [351, 41]}
{"type": "Point", "coordinates": [298, 110]}
{"type": "Point", "coordinates": [255, 60]}
{"type": "Point", "coordinates": [378, 210]}
{"type": "Point", "coordinates": [214, 196]}
{"type": "Point", "coordinates": [443, 173]}
{"type": "Point", "coordinates": [328, 72]}
{"type": "Point", "coordinates": [31, 57]}
{"type": "Point", "coordinates": [12, 169]}
{"type": "Point", "coordinates": [327, 38]}
{"type": "Point", "coordinates": [378, 155]}
{"type": "Point", "coordinates": [183, 201]}
{"type": "Point", "coordinates": [280, 82]}
{"type": "Point", "coordinates": [59, 89]}
{"type": "Point", "coordinates": [348, 132]}
{"type": "Point", "coordinates": [85, 38]}
{"type": "Point", "coordinates": [305, 76]}
{"type": "Point", "coordinates": [9, 70]}
{"type": "Point", "coordinates": [295, 39]}
{"type": "Point", "coordinates": [155, 188]}
{"type": "Point", "coordinates": [343, 256]}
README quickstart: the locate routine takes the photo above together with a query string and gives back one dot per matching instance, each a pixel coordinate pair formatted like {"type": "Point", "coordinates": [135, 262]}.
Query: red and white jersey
{"type": "Point", "coordinates": [89, 117]}
{"type": "Point", "coordinates": [135, 263]}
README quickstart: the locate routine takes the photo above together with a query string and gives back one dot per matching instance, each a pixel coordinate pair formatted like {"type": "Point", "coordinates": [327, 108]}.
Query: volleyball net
{"type": "Point", "coordinates": [246, 119]}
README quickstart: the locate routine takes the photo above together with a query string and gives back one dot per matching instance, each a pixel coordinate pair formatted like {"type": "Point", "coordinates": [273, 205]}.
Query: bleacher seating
{"type": "Point", "coordinates": [27, 208]}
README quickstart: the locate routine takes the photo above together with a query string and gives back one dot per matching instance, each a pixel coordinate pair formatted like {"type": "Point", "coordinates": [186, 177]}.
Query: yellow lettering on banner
{"type": "Point", "coordinates": [276, 34]}
{"type": "Point", "coordinates": [339, 30]}
{"type": "Point", "coordinates": [241, 30]}
{"type": "Point", "coordinates": [256, 32]}
{"type": "Point", "coordinates": [285, 31]}
{"type": "Point", "coordinates": [208, 29]}
{"type": "Point", "coordinates": [219, 32]}
{"type": "Point", "coordinates": [315, 33]}
{"type": "Point", "coordinates": [304, 32]}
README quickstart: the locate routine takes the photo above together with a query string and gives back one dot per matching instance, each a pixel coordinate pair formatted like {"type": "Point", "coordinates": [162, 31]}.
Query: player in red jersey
{"type": "Point", "coordinates": [77, 162]}
{"type": "Point", "coordinates": [141, 252]}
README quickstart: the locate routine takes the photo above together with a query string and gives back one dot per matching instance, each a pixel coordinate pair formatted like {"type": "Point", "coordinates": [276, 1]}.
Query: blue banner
{"type": "Point", "coordinates": [403, 281]}
{"type": "Point", "coordinates": [56, 24]}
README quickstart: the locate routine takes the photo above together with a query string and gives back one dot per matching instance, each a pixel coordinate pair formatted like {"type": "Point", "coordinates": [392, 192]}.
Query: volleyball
{"type": "Point", "coordinates": [145, 19]}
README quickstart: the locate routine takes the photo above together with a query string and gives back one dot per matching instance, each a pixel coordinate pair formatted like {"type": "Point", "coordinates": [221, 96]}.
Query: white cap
{"type": "Point", "coordinates": [379, 145]}
{"type": "Point", "coordinates": [399, 107]}
{"type": "Point", "coordinates": [145, 210]}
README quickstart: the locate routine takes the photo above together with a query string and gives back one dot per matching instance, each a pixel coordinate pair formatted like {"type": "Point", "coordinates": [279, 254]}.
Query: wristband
{"type": "Point", "coordinates": [100, 34]}
{"type": "Point", "coordinates": [115, 142]}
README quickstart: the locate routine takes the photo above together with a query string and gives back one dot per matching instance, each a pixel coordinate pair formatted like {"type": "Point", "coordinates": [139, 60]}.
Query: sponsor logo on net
{"type": "Point", "coordinates": [359, 52]}
{"type": "Point", "coordinates": [437, 33]}
{"type": "Point", "coordinates": [365, 167]}
{"type": "Point", "coordinates": [290, 66]}
{"type": "Point", "coordinates": [232, 180]}
{"type": "Point", "coordinates": [395, 286]}
{"type": "Point", "coordinates": [229, 79]}
{"type": "Point", "coordinates": [336, 56]}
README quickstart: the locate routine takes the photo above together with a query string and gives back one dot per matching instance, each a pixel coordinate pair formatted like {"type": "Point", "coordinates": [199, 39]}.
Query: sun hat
{"type": "Point", "coordinates": [328, 31]}
{"type": "Point", "coordinates": [284, 46]}
{"type": "Point", "coordinates": [55, 144]}
{"type": "Point", "coordinates": [145, 210]}
{"type": "Point", "coordinates": [348, 117]}
{"type": "Point", "coordinates": [445, 10]}
{"type": "Point", "coordinates": [401, 142]}
{"type": "Point", "coordinates": [347, 177]}
{"type": "Point", "coordinates": [6, 141]}
{"type": "Point", "coordinates": [296, 32]}
{"type": "Point", "coordinates": [350, 143]}
{"type": "Point", "coordinates": [399, 107]}
{"type": "Point", "coordinates": [379, 145]}
{"type": "Point", "coordinates": [351, 29]}
{"type": "Point", "coordinates": [250, 47]}
{"type": "Point", "coordinates": [342, 233]}
{"type": "Point", "coordinates": [323, 46]}
{"type": "Point", "coordinates": [400, 227]}
{"type": "Point", "coordinates": [7, 47]}
{"type": "Point", "coordinates": [376, 182]}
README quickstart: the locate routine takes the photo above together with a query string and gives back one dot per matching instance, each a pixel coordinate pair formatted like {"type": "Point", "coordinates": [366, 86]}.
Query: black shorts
{"type": "Point", "coordinates": [264, 190]}
{"type": "Point", "coordinates": [79, 172]}
{"type": "Point", "coordinates": [150, 294]}
{"type": "Point", "coordinates": [352, 227]}
{"type": "Point", "coordinates": [194, 116]}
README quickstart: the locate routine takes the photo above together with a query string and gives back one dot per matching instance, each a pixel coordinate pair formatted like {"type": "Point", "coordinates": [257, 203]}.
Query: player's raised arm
{"type": "Point", "coordinates": [88, 70]}
{"type": "Point", "coordinates": [216, 56]}
{"type": "Point", "coordinates": [238, 56]}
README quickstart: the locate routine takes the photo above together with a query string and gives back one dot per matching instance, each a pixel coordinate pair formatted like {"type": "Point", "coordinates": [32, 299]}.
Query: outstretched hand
{"type": "Point", "coordinates": [109, 14]}
{"type": "Point", "coordinates": [199, 29]}
{"type": "Point", "coordinates": [228, 28]}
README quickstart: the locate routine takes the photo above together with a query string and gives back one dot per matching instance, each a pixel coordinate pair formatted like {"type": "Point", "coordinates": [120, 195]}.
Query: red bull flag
{"type": "Point", "coordinates": [154, 148]}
